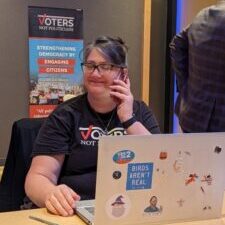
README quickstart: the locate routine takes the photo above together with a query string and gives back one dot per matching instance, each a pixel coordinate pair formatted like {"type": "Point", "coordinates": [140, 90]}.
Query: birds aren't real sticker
{"type": "Point", "coordinates": [139, 176]}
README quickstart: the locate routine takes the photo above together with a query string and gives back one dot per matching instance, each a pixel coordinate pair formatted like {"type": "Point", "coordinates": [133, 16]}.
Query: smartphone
{"type": "Point", "coordinates": [122, 76]}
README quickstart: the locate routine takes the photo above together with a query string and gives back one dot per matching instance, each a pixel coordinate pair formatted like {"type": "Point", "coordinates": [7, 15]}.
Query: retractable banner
{"type": "Point", "coordinates": [55, 53]}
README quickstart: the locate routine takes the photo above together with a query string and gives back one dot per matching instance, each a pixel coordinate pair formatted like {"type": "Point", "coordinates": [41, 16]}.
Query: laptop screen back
{"type": "Point", "coordinates": [159, 178]}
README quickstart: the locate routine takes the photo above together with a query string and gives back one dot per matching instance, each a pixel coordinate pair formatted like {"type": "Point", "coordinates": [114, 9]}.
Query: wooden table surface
{"type": "Point", "coordinates": [22, 218]}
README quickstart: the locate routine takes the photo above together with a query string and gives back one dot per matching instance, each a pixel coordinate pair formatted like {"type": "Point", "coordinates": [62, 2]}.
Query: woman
{"type": "Point", "coordinates": [63, 168]}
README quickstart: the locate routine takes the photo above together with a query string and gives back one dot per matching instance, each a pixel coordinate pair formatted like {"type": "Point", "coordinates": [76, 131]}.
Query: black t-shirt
{"type": "Point", "coordinates": [74, 129]}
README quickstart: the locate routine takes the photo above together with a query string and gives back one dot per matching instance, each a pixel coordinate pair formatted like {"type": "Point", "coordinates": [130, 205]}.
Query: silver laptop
{"type": "Point", "coordinates": [159, 179]}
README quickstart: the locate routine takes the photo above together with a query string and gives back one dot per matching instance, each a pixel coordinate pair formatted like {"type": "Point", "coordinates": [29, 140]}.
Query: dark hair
{"type": "Point", "coordinates": [153, 197]}
{"type": "Point", "coordinates": [114, 49]}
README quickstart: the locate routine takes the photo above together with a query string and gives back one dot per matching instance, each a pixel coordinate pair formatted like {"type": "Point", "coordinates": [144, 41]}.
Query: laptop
{"type": "Point", "coordinates": [162, 178]}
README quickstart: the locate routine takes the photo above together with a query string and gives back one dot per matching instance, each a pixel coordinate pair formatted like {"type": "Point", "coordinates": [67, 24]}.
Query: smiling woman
{"type": "Point", "coordinates": [99, 72]}
{"type": "Point", "coordinates": [69, 138]}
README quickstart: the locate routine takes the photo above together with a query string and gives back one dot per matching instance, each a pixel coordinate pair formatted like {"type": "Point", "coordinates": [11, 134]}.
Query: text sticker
{"type": "Point", "coordinates": [139, 176]}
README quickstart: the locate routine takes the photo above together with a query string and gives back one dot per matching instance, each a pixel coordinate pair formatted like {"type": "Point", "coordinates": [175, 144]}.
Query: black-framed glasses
{"type": "Point", "coordinates": [102, 67]}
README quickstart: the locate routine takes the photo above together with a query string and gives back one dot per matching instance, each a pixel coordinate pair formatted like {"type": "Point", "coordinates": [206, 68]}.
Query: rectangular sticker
{"type": "Point", "coordinates": [139, 176]}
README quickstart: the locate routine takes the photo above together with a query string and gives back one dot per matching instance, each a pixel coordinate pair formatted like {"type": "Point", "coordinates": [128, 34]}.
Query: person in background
{"type": "Point", "coordinates": [63, 168]}
{"type": "Point", "coordinates": [198, 58]}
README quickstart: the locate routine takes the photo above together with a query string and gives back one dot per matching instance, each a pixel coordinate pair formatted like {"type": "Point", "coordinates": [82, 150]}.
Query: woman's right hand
{"type": "Point", "coordinates": [62, 200]}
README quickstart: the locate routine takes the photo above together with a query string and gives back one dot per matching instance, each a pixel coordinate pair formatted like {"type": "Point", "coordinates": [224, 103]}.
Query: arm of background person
{"type": "Point", "coordinates": [179, 56]}
{"type": "Point", "coordinates": [41, 185]}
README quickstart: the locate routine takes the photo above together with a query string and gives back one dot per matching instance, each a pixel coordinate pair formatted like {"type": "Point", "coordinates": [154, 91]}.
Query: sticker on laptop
{"type": "Point", "coordinates": [217, 149]}
{"type": "Point", "coordinates": [153, 208]}
{"type": "Point", "coordinates": [118, 206]}
{"type": "Point", "coordinates": [124, 156]}
{"type": "Point", "coordinates": [207, 207]}
{"type": "Point", "coordinates": [187, 153]}
{"type": "Point", "coordinates": [139, 176]}
{"type": "Point", "coordinates": [180, 202]}
{"type": "Point", "coordinates": [202, 190]}
{"type": "Point", "coordinates": [178, 165]}
{"type": "Point", "coordinates": [191, 179]}
{"type": "Point", "coordinates": [160, 171]}
{"type": "Point", "coordinates": [207, 179]}
{"type": "Point", "coordinates": [163, 155]}
{"type": "Point", "coordinates": [116, 174]}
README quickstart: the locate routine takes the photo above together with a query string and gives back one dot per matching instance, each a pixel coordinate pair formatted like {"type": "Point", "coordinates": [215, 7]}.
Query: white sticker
{"type": "Point", "coordinates": [118, 206]}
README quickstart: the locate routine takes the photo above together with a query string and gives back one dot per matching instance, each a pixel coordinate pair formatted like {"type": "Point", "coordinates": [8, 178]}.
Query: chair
{"type": "Point", "coordinates": [17, 164]}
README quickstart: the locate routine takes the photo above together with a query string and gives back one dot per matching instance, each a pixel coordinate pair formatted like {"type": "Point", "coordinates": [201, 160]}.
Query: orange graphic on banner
{"type": "Point", "coordinates": [39, 111]}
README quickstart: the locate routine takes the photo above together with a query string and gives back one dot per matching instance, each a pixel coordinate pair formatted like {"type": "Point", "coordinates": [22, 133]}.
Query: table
{"type": "Point", "coordinates": [22, 218]}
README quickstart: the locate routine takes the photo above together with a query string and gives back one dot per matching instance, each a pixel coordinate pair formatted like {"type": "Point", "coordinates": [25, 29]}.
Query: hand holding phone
{"type": "Point", "coordinates": [121, 94]}
{"type": "Point", "coordinates": [122, 75]}
{"type": "Point", "coordinates": [118, 85]}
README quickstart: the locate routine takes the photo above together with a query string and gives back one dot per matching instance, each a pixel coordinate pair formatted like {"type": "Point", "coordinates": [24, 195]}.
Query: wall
{"type": "Point", "coordinates": [158, 59]}
{"type": "Point", "coordinates": [112, 17]}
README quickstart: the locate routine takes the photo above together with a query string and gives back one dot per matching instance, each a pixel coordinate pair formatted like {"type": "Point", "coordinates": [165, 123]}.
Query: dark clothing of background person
{"type": "Point", "coordinates": [198, 58]}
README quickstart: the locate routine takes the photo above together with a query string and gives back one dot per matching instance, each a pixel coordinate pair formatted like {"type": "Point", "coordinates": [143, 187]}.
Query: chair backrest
{"type": "Point", "coordinates": [17, 164]}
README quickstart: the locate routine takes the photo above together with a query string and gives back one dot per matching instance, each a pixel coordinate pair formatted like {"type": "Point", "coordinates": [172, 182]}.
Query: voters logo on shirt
{"type": "Point", "coordinates": [91, 134]}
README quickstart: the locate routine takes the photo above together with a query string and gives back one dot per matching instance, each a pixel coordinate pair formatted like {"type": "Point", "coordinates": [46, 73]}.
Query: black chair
{"type": "Point", "coordinates": [17, 164]}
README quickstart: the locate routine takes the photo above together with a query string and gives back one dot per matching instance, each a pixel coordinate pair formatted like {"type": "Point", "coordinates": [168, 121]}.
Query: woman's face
{"type": "Point", "coordinates": [97, 81]}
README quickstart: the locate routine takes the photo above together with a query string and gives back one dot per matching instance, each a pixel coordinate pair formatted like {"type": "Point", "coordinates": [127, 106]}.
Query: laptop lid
{"type": "Point", "coordinates": [159, 178]}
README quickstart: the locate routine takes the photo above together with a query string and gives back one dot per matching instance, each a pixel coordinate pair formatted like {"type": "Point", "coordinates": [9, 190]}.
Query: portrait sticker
{"type": "Point", "coordinates": [153, 208]}
{"type": "Point", "coordinates": [139, 176]}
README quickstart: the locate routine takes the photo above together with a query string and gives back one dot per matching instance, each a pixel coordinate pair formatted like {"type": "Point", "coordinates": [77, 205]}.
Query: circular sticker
{"type": "Point", "coordinates": [116, 175]}
{"type": "Point", "coordinates": [124, 156]}
{"type": "Point", "coordinates": [118, 206]}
